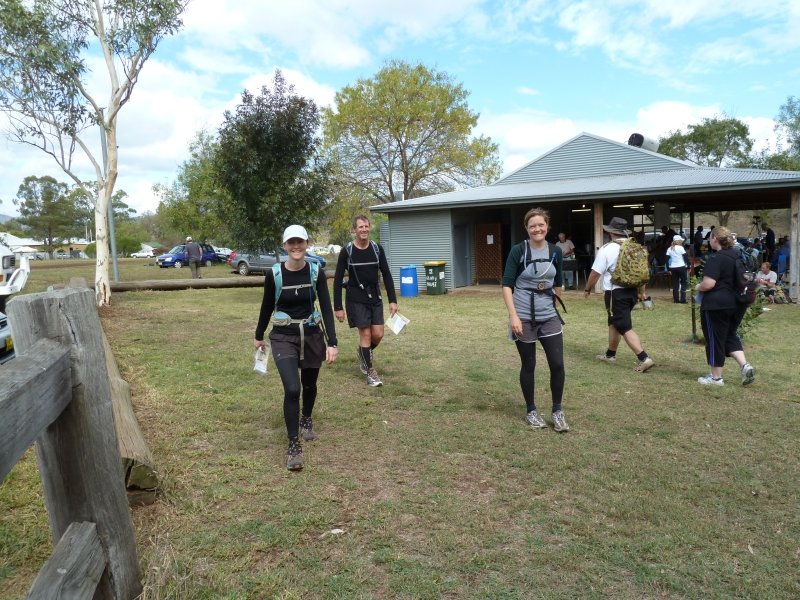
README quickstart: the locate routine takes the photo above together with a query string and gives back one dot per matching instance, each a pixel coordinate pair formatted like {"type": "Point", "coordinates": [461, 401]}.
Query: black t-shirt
{"type": "Point", "coordinates": [721, 267]}
{"type": "Point", "coordinates": [364, 272]}
{"type": "Point", "coordinates": [298, 304]}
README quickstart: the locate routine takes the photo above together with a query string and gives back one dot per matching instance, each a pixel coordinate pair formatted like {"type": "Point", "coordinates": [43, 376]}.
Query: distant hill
{"type": "Point", "coordinates": [4, 218]}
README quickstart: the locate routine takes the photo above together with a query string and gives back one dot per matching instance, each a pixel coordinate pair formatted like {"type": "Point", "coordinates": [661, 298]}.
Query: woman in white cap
{"type": "Point", "coordinates": [677, 265]}
{"type": "Point", "coordinates": [298, 335]}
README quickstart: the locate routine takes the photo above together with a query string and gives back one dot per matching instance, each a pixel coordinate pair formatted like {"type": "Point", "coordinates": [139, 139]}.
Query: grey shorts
{"type": "Point", "coordinates": [364, 315]}
{"type": "Point", "coordinates": [532, 331]}
{"type": "Point", "coordinates": [288, 346]}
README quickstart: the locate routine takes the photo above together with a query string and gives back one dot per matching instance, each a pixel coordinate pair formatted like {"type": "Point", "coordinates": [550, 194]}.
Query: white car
{"type": "Point", "coordinates": [6, 343]}
{"type": "Point", "coordinates": [143, 254]}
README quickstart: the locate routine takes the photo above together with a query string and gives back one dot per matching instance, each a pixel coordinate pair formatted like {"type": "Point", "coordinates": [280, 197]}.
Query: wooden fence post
{"type": "Point", "coordinates": [78, 456]}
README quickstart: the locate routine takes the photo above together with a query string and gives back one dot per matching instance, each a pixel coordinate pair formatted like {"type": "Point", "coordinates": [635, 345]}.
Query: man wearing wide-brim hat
{"type": "Point", "coordinates": [619, 300]}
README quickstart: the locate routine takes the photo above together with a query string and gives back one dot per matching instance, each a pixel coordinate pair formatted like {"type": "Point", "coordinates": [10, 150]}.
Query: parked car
{"type": "Point", "coordinates": [245, 262]}
{"type": "Point", "coordinates": [222, 253]}
{"type": "Point", "coordinates": [143, 254]}
{"type": "Point", "coordinates": [177, 257]}
{"type": "Point", "coordinates": [6, 342]}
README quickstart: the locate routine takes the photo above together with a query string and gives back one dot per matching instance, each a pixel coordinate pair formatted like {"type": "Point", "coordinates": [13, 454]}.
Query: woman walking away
{"type": "Point", "coordinates": [720, 312]}
{"type": "Point", "coordinates": [532, 282]}
{"type": "Point", "coordinates": [677, 264]}
{"type": "Point", "coordinates": [297, 337]}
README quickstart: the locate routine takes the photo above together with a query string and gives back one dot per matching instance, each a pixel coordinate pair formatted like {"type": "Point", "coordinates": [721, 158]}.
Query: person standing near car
{"type": "Point", "coordinates": [364, 261]}
{"type": "Point", "coordinates": [298, 335]}
{"type": "Point", "coordinates": [194, 254]}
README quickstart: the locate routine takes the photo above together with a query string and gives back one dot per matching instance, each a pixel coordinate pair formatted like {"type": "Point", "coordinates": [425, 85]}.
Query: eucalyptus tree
{"type": "Point", "coordinates": [45, 49]}
{"type": "Point", "coordinates": [47, 212]}
{"type": "Point", "coordinates": [194, 202]}
{"type": "Point", "coordinates": [714, 142]}
{"type": "Point", "coordinates": [408, 130]}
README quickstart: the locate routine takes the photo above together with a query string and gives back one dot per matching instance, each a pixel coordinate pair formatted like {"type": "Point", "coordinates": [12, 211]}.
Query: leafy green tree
{"type": "Point", "coordinates": [45, 46]}
{"type": "Point", "coordinates": [46, 211]}
{"type": "Point", "coordinates": [85, 208]}
{"type": "Point", "coordinates": [193, 203]}
{"type": "Point", "coordinates": [407, 130]}
{"type": "Point", "coordinates": [788, 124]}
{"type": "Point", "coordinates": [269, 165]}
{"type": "Point", "coordinates": [715, 142]}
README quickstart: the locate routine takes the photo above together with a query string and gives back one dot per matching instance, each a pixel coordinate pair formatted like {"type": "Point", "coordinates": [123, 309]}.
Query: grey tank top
{"type": "Point", "coordinates": [537, 277]}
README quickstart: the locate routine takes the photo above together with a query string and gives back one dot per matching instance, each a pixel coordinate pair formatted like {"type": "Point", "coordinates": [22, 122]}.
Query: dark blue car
{"type": "Point", "coordinates": [177, 257]}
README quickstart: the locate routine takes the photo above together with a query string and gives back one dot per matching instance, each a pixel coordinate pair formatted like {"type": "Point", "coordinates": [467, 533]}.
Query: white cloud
{"type": "Point", "coordinates": [527, 91]}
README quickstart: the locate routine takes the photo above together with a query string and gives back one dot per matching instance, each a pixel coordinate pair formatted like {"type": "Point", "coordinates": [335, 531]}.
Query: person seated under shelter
{"type": "Point", "coordinates": [767, 281]}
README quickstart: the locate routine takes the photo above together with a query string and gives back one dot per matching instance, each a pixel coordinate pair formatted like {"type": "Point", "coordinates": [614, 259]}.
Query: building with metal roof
{"type": "Point", "coordinates": [583, 183]}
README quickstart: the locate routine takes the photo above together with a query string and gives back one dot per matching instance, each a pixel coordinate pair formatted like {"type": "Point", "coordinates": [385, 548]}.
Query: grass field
{"type": "Point", "coordinates": [663, 488]}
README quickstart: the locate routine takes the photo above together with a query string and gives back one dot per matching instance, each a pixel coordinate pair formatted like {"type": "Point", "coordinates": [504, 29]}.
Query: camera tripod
{"type": "Point", "coordinates": [755, 228]}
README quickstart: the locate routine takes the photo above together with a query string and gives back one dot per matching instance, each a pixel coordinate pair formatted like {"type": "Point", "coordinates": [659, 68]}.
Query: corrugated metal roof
{"type": "Point", "coordinates": [588, 155]}
{"type": "Point", "coordinates": [651, 179]}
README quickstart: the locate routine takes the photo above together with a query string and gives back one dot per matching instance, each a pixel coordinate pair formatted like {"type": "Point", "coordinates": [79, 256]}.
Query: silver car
{"type": "Point", "coordinates": [244, 262]}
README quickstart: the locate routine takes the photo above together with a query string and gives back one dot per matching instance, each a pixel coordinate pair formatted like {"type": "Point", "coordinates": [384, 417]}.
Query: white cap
{"type": "Point", "coordinates": [188, 238]}
{"type": "Point", "coordinates": [295, 231]}
{"type": "Point", "coordinates": [677, 238]}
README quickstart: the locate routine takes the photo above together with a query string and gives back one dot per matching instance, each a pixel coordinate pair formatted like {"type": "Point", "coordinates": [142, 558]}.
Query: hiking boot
{"type": "Point", "coordinates": [294, 456]}
{"type": "Point", "coordinates": [307, 429]}
{"type": "Point", "coordinates": [535, 420]}
{"type": "Point", "coordinates": [607, 358]}
{"type": "Point", "coordinates": [748, 374]}
{"type": "Point", "coordinates": [644, 365]}
{"type": "Point", "coordinates": [560, 422]}
{"type": "Point", "coordinates": [710, 380]}
{"type": "Point", "coordinates": [362, 364]}
{"type": "Point", "coordinates": [372, 378]}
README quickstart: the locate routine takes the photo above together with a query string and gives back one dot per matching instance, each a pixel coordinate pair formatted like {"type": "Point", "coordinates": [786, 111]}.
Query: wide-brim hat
{"type": "Point", "coordinates": [617, 226]}
{"type": "Point", "coordinates": [295, 231]}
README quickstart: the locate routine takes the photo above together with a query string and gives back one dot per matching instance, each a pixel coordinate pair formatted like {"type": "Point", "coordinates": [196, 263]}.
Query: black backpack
{"type": "Point", "coordinates": [744, 280]}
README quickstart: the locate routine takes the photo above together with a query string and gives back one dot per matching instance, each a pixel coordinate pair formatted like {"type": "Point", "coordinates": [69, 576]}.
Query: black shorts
{"type": "Point", "coordinates": [288, 346]}
{"type": "Point", "coordinates": [364, 315]}
{"type": "Point", "coordinates": [619, 304]}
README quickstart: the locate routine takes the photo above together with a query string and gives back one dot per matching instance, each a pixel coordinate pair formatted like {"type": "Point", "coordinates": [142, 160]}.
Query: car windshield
{"type": "Point", "coordinates": [176, 250]}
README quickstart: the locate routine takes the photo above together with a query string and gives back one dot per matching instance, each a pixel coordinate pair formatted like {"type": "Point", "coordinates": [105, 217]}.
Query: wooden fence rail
{"type": "Point", "coordinates": [57, 392]}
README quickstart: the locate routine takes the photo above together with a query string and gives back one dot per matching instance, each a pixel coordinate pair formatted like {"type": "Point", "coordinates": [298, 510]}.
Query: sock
{"type": "Point", "coordinates": [611, 353]}
{"type": "Point", "coordinates": [366, 354]}
{"type": "Point", "coordinates": [556, 407]}
{"type": "Point", "coordinates": [642, 356]}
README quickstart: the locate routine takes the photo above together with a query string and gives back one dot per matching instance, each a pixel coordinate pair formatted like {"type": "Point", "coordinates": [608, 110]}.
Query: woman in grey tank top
{"type": "Point", "coordinates": [531, 285]}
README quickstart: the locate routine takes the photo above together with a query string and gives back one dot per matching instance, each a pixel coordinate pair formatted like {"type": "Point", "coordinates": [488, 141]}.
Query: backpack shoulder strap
{"type": "Point", "coordinates": [276, 275]}
{"type": "Point", "coordinates": [314, 266]}
{"type": "Point", "coordinates": [375, 250]}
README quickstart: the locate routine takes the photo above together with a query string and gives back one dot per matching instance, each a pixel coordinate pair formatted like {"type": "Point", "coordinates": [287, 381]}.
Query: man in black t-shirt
{"type": "Point", "coordinates": [363, 262]}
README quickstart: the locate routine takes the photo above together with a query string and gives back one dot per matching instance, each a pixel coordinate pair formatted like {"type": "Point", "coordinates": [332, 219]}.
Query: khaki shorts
{"type": "Point", "coordinates": [288, 346]}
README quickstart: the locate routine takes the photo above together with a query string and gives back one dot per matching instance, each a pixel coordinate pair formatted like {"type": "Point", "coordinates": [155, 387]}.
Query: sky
{"type": "Point", "coordinates": [538, 72]}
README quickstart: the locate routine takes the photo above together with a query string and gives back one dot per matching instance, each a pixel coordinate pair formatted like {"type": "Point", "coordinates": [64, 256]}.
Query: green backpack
{"type": "Point", "coordinates": [632, 270]}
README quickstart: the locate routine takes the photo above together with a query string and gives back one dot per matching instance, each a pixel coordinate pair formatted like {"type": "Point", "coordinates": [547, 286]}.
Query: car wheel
{"type": "Point", "coordinates": [209, 262]}
{"type": "Point", "coordinates": [243, 269]}
{"type": "Point", "coordinates": [178, 264]}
